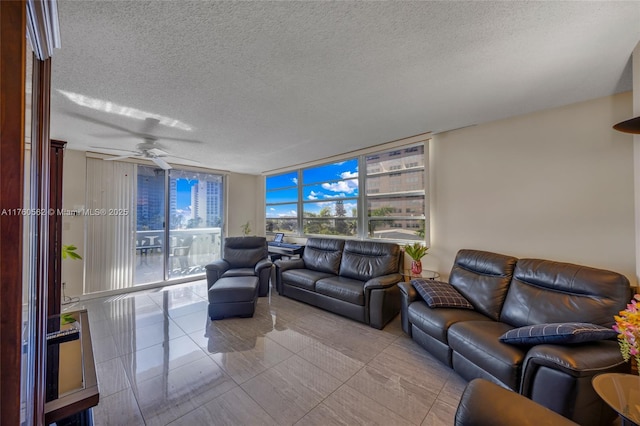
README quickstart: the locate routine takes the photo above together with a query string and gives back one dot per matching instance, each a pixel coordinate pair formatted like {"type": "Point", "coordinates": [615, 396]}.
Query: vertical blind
{"type": "Point", "coordinates": [110, 225]}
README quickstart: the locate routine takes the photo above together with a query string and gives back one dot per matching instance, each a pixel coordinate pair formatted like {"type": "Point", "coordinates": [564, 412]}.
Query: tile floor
{"type": "Point", "coordinates": [161, 361]}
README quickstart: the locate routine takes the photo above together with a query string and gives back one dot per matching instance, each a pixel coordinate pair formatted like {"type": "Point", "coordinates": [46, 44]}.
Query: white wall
{"type": "Point", "coordinates": [246, 204]}
{"type": "Point", "coordinates": [74, 175]}
{"type": "Point", "coordinates": [556, 184]}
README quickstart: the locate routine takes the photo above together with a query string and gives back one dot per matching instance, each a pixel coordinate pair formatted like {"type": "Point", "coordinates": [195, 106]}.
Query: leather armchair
{"type": "Point", "coordinates": [486, 404]}
{"type": "Point", "coordinates": [243, 256]}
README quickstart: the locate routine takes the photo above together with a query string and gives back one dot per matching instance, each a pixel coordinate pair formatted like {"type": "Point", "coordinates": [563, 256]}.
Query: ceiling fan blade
{"type": "Point", "coordinates": [184, 159]}
{"type": "Point", "coordinates": [179, 139]}
{"type": "Point", "coordinates": [103, 123]}
{"type": "Point", "coordinates": [161, 163]}
{"type": "Point", "coordinates": [113, 149]}
{"type": "Point", "coordinates": [157, 152]}
{"type": "Point", "coordinates": [122, 157]}
{"type": "Point", "coordinates": [150, 124]}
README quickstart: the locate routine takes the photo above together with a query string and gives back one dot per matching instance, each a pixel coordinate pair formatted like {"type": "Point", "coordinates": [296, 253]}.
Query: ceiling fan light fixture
{"type": "Point", "coordinates": [629, 126]}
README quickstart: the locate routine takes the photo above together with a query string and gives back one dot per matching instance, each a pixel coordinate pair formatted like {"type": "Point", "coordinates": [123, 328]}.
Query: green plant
{"type": "Point", "coordinates": [69, 251]}
{"type": "Point", "coordinates": [246, 228]}
{"type": "Point", "coordinates": [416, 251]}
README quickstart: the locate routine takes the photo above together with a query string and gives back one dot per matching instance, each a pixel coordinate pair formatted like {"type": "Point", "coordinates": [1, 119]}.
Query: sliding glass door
{"type": "Point", "coordinates": [195, 221]}
{"type": "Point", "coordinates": [150, 221]}
{"type": "Point", "coordinates": [150, 225]}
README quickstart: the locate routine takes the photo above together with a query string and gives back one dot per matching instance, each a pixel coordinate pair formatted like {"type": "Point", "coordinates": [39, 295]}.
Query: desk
{"type": "Point", "coordinates": [285, 249]}
{"type": "Point", "coordinates": [72, 385]}
{"type": "Point", "coordinates": [622, 393]}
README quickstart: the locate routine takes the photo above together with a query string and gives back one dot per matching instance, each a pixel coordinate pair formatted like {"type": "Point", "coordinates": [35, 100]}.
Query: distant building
{"type": "Point", "coordinates": [150, 208]}
{"type": "Point", "coordinates": [206, 202]}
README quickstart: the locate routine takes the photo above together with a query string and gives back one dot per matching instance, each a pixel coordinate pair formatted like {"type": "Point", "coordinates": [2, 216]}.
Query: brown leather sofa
{"type": "Point", "coordinates": [356, 279]}
{"type": "Point", "coordinates": [508, 293]}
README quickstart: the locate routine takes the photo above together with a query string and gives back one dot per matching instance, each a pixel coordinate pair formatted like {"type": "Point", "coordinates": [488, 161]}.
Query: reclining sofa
{"type": "Point", "coordinates": [508, 293]}
{"type": "Point", "coordinates": [356, 279]}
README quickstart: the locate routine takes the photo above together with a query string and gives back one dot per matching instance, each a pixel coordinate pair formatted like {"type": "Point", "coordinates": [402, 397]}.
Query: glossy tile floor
{"type": "Point", "coordinates": [161, 361]}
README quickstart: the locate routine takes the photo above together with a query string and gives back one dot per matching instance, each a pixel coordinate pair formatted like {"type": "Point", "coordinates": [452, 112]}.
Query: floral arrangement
{"type": "Point", "coordinates": [628, 328]}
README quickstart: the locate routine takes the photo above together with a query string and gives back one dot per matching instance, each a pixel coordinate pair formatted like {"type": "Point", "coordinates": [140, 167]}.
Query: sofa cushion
{"type": "Point", "coordinates": [303, 278]}
{"type": "Point", "coordinates": [438, 294]}
{"type": "Point", "coordinates": [483, 278]}
{"type": "Point", "coordinates": [544, 291]}
{"type": "Point", "coordinates": [240, 272]}
{"type": "Point", "coordinates": [558, 333]}
{"type": "Point", "coordinates": [363, 260]}
{"type": "Point", "coordinates": [323, 254]}
{"type": "Point", "coordinates": [477, 341]}
{"type": "Point", "coordinates": [342, 288]}
{"type": "Point", "coordinates": [436, 322]}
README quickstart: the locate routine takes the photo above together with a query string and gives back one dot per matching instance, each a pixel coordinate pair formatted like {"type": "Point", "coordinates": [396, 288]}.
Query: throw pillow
{"type": "Point", "coordinates": [439, 294]}
{"type": "Point", "coordinates": [559, 333]}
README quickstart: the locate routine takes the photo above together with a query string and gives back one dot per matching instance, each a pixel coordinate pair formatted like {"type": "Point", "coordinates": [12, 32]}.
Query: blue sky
{"type": "Point", "coordinates": [323, 184]}
{"type": "Point", "coordinates": [183, 193]}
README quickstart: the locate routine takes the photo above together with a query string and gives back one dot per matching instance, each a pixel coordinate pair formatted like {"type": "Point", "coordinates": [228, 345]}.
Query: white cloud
{"type": "Point", "coordinates": [295, 180]}
{"type": "Point", "coordinates": [272, 209]}
{"type": "Point", "coordinates": [313, 195]}
{"type": "Point", "coordinates": [346, 186]}
{"type": "Point", "coordinates": [349, 175]}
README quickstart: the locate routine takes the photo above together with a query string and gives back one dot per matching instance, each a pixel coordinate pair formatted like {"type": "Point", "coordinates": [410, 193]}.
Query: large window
{"type": "Point", "coordinates": [395, 184]}
{"type": "Point", "coordinates": [328, 200]}
{"type": "Point", "coordinates": [148, 225]}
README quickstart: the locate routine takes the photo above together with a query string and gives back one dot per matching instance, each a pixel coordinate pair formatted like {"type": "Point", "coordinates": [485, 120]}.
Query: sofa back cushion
{"type": "Point", "coordinates": [543, 291]}
{"type": "Point", "coordinates": [244, 252]}
{"type": "Point", "coordinates": [483, 279]}
{"type": "Point", "coordinates": [323, 254]}
{"type": "Point", "coordinates": [363, 260]}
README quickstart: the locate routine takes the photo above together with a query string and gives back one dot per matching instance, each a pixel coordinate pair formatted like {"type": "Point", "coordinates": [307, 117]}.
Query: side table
{"type": "Point", "coordinates": [622, 393]}
{"type": "Point", "coordinates": [426, 274]}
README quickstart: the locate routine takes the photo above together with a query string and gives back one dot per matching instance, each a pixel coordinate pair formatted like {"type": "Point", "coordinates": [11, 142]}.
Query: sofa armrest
{"type": "Point", "coordinates": [215, 270]}
{"type": "Point", "coordinates": [382, 298]}
{"type": "Point", "coordinates": [485, 403]}
{"type": "Point", "coordinates": [583, 360]}
{"type": "Point", "coordinates": [263, 272]}
{"type": "Point", "coordinates": [263, 264]}
{"type": "Point", "coordinates": [408, 295]}
{"type": "Point", "coordinates": [559, 377]}
{"type": "Point", "coordinates": [408, 292]}
{"type": "Point", "coordinates": [285, 265]}
{"type": "Point", "coordinates": [382, 282]}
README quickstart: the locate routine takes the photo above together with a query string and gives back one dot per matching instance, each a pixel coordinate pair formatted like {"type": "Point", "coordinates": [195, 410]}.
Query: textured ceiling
{"type": "Point", "coordinates": [266, 85]}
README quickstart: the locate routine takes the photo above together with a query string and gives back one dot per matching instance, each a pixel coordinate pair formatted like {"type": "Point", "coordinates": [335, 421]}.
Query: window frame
{"type": "Point", "coordinates": [363, 219]}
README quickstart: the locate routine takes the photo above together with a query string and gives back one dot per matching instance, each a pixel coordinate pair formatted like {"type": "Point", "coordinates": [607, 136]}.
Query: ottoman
{"type": "Point", "coordinates": [233, 297]}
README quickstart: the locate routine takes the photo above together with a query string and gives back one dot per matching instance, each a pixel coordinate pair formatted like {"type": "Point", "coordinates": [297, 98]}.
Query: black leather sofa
{"type": "Point", "coordinates": [242, 257]}
{"type": "Point", "coordinates": [356, 279]}
{"type": "Point", "coordinates": [508, 293]}
{"type": "Point", "coordinates": [486, 404]}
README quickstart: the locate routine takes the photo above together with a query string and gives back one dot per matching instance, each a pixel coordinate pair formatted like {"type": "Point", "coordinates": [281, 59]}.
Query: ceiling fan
{"type": "Point", "coordinates": [149, 149]}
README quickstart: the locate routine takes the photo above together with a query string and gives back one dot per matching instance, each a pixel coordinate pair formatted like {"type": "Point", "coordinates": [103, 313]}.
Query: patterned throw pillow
{"type": "Point", "coordinates": [439, 294]}
{"type": "Point", "coordinates": [559, 333]}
